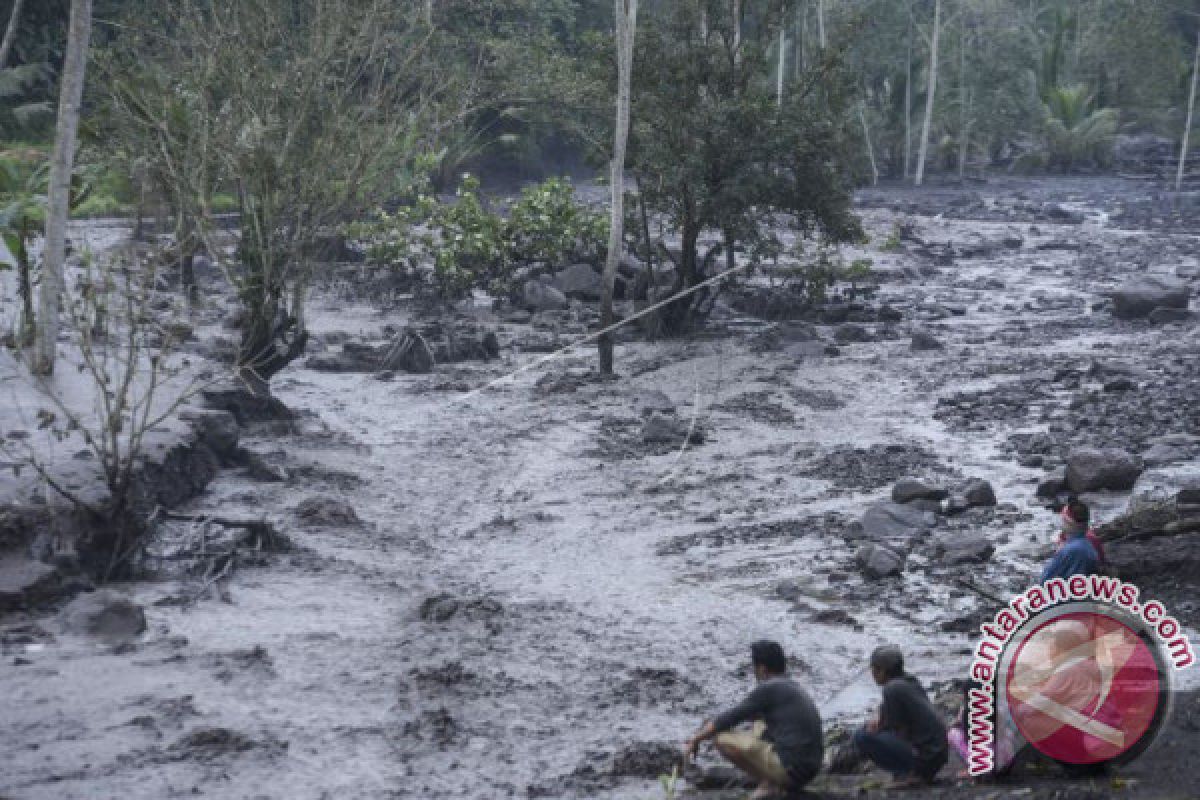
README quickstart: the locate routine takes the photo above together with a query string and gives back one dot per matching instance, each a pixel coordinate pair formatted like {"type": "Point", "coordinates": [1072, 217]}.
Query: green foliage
{"type": "Point", "coordinates": [453, 248]}
{"type": "Point", "coordinates": [813, 278]}
{"type": "Point", "coordinates": [1076, 133]}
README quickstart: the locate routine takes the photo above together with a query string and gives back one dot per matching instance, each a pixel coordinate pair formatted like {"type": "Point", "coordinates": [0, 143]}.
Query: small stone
{"type": "Point", "coordinates": [877, 561]}
{"type": "Point", "coordinates": [923, 341]}
{"type": "Point", "coordinates": [979, 493]}
{"type": "Point", "coordinates": [907, 490]}
{"type": "Point", "coordinates": [104, 613]}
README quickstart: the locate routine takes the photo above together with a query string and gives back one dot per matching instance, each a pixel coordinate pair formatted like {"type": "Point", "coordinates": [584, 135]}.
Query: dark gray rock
{"type": "Point", "coordinates": [659, 428]}
{"type": "Point", "coordinates": [979, 493]}
{"type": "Point", "coordinates": [247, 402]}
{"type": "Point", "coordinates": [25, 583]}
{"type": "Point", "coordinates": [877, 561]}
{"type": "Point", "coordinates": [955, 504]}
{"type": "Point", "coordinates": [1090, 469]}
{"type": "Point", "coordinates": [1139, 296]}
{"type": "Point", "coordinates": [852, 332]}
{"type": "Point", "coordinates": [327, 512]}
{"type": "Point", "coordinates": [923, 340]}
{"type": "Point", "coordinates": [581, 282]}
{"type": "Point", "coordinates": [893, 522]}
{"type": "Point", "coordinates": [104, 613]}
{"type": "Point", "coordinates": [1052, 485]}
{"type": "Point", "coordinates": [909, 489]}
{"type": "Point", "coordinates": [1166, 316]}
{"type": "Point", "coordinates": [963, 548]}
{"type": "Point", "coordinates": [650, 401]}
{"type": "Point", "coordinates": [1188, 495]}
{"type": "Point", "coordinates": [217, 429]}
{"type": "Point", "coordinates": [538, 296]}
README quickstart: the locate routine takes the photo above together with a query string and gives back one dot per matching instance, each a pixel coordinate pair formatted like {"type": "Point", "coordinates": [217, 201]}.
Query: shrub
{"type": "Point", "coordinates": [453, 248]}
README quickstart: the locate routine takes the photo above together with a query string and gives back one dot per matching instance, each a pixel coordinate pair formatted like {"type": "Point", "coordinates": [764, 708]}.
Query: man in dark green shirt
{"type": "Point", "coordinates": [908, 738]}
{"type": "Point", "coordinates": [784, 749]}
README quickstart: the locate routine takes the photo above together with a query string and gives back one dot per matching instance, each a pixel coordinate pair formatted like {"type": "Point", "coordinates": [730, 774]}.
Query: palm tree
{"type": "Point", "coordinates": [22, 216]}
{"type": "Point", "coordinates": [1075, 132]}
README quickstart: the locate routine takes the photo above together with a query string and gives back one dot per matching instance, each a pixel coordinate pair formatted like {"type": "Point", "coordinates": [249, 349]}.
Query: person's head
{"type": "Point", "coordinates": [887, 662]}
{"type": "Point", "coordinates": [1076, 516]}
{"type": "Point", "coordinates": [768, 659]}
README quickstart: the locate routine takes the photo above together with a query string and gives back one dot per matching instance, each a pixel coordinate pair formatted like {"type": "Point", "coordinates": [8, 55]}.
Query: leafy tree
{"type": "Point", "coordinates": [1076, 132]}
{"type": "Point", "coordinates": [715, 152]}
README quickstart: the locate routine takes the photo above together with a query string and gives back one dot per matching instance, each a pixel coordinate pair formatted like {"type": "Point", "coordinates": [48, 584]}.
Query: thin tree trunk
{"type": "Point", "coordinates": [798, 41]}
{"type": "Point", "coordinates": [58, 196]}
{"type": "Point", "coordinates": [429, 13]}
{"type": "Point", "coordinates": [821, 24]}
{"type": "Point", "coordinates": [908, 98]}
{"type": "Point", "coordinates": [626, 24]}
{"type": "Point", "coordinates": [782, 59]}
{"type": "Point", "coordinates": [10, 33]}
{"type": "Point", "coordinates": [1187, 126]}
{"type": "Point", "coordinates": [737, 31]}
{"type": "Point", "coordinates": [931, 92]}
{"type": "Point", "coordinates": [803, 37]}
{"type": "Point", "coordinates": [862, 115]}
{"type": "Point", "coordinates": [964, 125]}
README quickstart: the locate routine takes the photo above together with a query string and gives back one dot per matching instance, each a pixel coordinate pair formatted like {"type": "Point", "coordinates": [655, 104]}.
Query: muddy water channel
{"type": "Point", "coordinates": [511, 593]}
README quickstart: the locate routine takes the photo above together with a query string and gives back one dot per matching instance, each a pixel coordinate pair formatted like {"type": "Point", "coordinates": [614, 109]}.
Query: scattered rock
{"type": "Point", "coordinates": [25, 583]}
{"type": "Point", "coordinates": [923, 340]}
{"type": "Point", "coordinates": [1052, 485]}
{"type": "Point", "coordinates": [659, 428]}
{"type": "Point", "coordinates": [963, 548]}
{"type": "Point", "coordinates": [1166, 316]}
{"type": "Point", "coordinates": [909, 489]}
{"type": "Point", "coordinates": [210, 744]}
{"type": "Point", "coordinates": [979, 493]}
{"type": "Point", "coordinates": [439, 607]}
{"type": "Point", "coordinates": [217, 429]}
{"type": "Point", "coordinates": [645, 760]}
{"type": "Point", "coordinates": [1091, 469]}
{"type": "Point", "coordinates": [326, 512]}
{"type": "Point", "coordinates": [650, 401]}
{"type": "Point", "coordinates": [849, 332]}
{"type": "Point", "coordinates": [539, 296]}
{"type": "Point", "coordinates": [247, 403]}
{"type": "Point", "coordinates": [893, 522]}
{"type": "Point", "coordinates": [1138, 297]}
{"type": "Point", "coordinates": [104, 613]}
{"type": "Point", "coordinates": [581, 282]}
{"type": "Point", "coordinates": [877, 561]}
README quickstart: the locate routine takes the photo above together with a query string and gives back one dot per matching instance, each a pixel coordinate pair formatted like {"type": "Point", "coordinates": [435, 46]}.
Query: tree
{"type": "Point", "coordinates": [62, 164]}
{"type": "Point", "coordinates": [715, 154]}
{"type": "Point", "coordinates": [1187, 125]}
{"type": "Point", "coordinates": [10, 33]}
{"type": "Point", "coordinates": [626, 30]}
{"type": "Point", "coordinates": [930, 93]}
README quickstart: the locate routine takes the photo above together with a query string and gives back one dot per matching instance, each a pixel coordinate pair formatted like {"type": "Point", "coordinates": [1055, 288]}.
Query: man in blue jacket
{"type": "Point", "coordinates": [1076, 555]}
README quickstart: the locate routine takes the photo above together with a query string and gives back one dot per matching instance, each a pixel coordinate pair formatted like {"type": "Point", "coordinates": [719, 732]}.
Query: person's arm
{"type": "Point", "coordinates": [1054, 567]}
{"type": "Point", "coordinates": [753, 705]}
{"type": "Point", "coordinates": [890, 712]}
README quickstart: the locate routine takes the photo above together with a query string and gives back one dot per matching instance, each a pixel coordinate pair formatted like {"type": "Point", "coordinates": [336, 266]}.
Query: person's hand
{"type": "Point", "coordinates": [873, 725]}
{"type": "Point", "coordinates": [689, 749]}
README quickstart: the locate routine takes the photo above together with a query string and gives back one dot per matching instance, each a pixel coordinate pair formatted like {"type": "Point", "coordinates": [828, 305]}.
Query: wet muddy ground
{"type": "Point", "coordinates": [509, 593]}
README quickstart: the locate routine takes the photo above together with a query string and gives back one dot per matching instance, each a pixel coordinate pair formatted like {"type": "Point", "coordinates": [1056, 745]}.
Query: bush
{"type": "Point", "coordinates": [453, 248]}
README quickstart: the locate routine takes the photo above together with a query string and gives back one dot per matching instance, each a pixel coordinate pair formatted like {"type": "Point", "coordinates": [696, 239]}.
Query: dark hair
{"type": "Point", "coordinates": [888, 660]}
{"type": "Point", "coordinates": [769, 655]}
{"type": "Point", "coordinates": [1079, 512]}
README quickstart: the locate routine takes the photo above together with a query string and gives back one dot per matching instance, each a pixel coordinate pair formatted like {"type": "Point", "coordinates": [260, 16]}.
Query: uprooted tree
{"type": "Point", "coordinates": [718, 151]}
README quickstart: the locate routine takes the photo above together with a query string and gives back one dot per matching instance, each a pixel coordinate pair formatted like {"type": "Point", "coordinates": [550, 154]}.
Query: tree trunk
{"type": "Point", "coordinates": [58, 196]}
{"type": "Point", "coordinates": [27, 327]}
{"type": "Point", "coordinates": [862, 115]}
{"type": "Point", "coordinates": [737, 31]}
{"type": "Point", "coordinates": [821, 24]}
{"type": "Point", "coordinates": [964, 111]}
{"type": "Point", "coordinates": [626, 25]}
{"type": "Point", "coordinates": [10, 33]}
{"type": "Point", "coordinates": [931, 93]}
{"type": "Point", "coordinates": [782, 58]}
{"type": "Point", "coordinates": [1187, 126]}
{"type": "Point", "coordinates": [908, 98]}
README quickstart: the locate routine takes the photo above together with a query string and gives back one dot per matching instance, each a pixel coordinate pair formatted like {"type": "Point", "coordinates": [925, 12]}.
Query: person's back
{"type": "Point", "coordinates": [1075, 557]}
{"type": "Point", "coordinates": [907, 712]}
{"type": "Point", "coordinates": [792, 724]}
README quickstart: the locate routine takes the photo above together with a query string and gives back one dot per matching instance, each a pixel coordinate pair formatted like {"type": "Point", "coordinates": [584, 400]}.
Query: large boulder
{"type": "Point", "coordinates": [909, 489]}
{"type": "Point", "coordinates": [924, 340]}
{"type": "Point", "coordinates": [877, 561]}
{"type": "Point", "coordinates": [538, 296]}
{"type": "Point", "coordinates": [979, 493]}
{"type": "Point", "coordinates": [893, 522]}
{"type": "Point", "coordinates": [25, 582]}
{"type": "Point", "coordinates": [327, 512]}
{"type": "Point", "coordinates": [660, 428]}
{"type": "Point", "coordinates": [1140, 296]}
{"type": "Point", "coordinates": [104, 613]}
{"type": "Point", "coordinates": [963, 548]}
{"type": "Point", "coordinates": [580, 281]}
{"type": "Point", "coordinates": [1090, 469]}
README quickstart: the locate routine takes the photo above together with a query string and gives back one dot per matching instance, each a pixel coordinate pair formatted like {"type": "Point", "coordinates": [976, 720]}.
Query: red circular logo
{"type": "Point", "coordinates": [1084, 688]}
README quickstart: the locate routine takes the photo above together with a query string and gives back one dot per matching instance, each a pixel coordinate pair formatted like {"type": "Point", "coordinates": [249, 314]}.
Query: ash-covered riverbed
{"type": "Point", "coordinates": [512, 592]}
